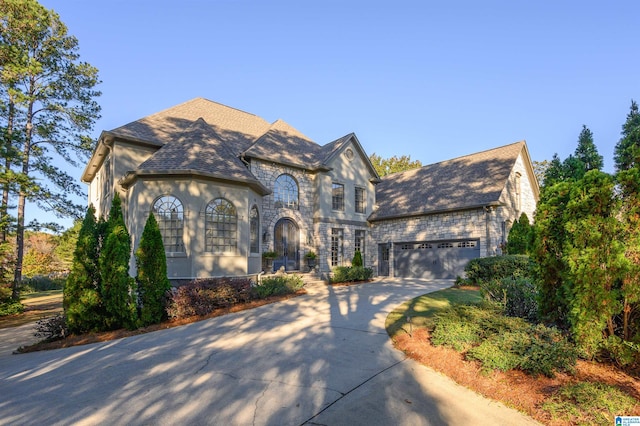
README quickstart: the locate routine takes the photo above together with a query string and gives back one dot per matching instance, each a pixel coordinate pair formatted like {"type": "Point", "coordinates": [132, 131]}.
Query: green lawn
{"type": "Point", "coordinates": [422, 308]}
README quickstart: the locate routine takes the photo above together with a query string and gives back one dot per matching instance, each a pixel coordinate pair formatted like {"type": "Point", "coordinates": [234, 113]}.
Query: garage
{"type": "Point", "coordinates": [444, 259]}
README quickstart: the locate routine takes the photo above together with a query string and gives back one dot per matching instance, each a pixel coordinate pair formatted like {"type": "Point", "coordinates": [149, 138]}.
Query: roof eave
{"type": "Point", "coordinates": [373, 218]}
{"type": "Point", "coordinates": [127, 180]}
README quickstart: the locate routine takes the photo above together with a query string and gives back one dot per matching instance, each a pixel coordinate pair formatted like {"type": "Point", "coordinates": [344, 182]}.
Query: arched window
{"type": "Point", "coordinates": [221, 227]}
{"type": "Point", "coordinates": [285, 192]}
{"type": "Point", "coordinates": [254, 230]}
{"type": "Point", "coordinates": [170, 217]}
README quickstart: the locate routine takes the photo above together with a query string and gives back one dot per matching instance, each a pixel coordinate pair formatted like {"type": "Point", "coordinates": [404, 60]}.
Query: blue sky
{"type": "Point", "coordinates": [433, 80]}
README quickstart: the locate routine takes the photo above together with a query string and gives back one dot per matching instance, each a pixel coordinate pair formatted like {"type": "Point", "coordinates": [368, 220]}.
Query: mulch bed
{"type": "Point", "coordinates": [514, 388]}
{"type": "Point", "coordinates": [104, 336]}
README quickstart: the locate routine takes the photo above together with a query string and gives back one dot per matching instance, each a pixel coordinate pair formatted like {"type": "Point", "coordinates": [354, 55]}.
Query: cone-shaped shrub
{"type": "Point", "coordinates": [151, 278]}
{"type": "Point", "coordinates": [81, 297]}
{"type": "Point", "coordinates": [117, 286]}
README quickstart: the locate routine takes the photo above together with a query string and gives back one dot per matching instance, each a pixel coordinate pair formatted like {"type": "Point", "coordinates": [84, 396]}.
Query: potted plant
{"type": "Point", "coordinates": [311, 259]}
{"type": "Point", "coordinates": [267, 260]}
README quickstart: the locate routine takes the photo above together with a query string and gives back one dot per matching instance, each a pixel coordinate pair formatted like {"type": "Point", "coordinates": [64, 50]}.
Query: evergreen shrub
{"type": "Point", "coordinates": [342, 274]}
{"type": "Point", "coordinates": [277, 285]}
{"type": "Point", "coordinates": [486, 269]}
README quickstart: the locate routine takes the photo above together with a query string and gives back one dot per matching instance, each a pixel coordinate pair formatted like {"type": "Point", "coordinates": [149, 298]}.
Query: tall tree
{"type": "Point", "coordinates": [151, 278]}
{"type": "Point", "coordinates": [627, 162]}
{"type": "Point", "coordinates": [594, 254]}
{"type": "Point", "coordinates": [118, 287]}
{"type": "Point", "coordinates": [627, 151]}
{"type": "Point", "coordinates": [587, 152]}
{"type": "Point", "coordinates": [395, 164]}
{"type": "Point", "coordinates": [50, 95]}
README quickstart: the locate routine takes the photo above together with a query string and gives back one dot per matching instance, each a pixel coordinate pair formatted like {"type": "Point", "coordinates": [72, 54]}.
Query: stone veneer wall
{"type": "Point", "coordinates": [322, 231]}
{"type": "Point", "coordinates": [468, 224]}
{"type": "Point", "coordinates": [267, 173]}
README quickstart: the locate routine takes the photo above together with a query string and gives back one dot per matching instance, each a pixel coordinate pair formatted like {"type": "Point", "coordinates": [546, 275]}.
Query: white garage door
{"type": "Point", "coordinates": [434, 259]}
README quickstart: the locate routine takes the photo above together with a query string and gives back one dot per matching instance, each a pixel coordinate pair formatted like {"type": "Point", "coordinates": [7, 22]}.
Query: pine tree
{"type": "Point", "coordinates": [151, 278]}
{"type": "Point", "coordinates": [117, 286]}
{"type": "Point", "coordinates": [550, 235]}
{"type": "Point", "coordinates": [81, 296]}
{"type": "Point", "coordinates": [627, 162]}
{"type": "Point", "coordinates": [594, 254]}
{"type": "Point", "coordinates": [586, 152]}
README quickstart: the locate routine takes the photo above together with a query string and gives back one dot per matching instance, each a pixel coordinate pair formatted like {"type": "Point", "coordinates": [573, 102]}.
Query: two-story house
{"type": "Point", "coordinates": [226, 186]}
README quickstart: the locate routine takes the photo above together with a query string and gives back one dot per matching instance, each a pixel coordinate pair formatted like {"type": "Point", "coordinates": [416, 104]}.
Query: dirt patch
{"type": "Point", "coordinates": [514, 388]}
{"type": "Point", "coordinates": [84, 339]}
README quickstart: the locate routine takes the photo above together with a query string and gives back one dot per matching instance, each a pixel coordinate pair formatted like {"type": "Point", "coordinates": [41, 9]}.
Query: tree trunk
{"type": "Point", "coordinates": [26, 151]}
{"type": "Point", "coordinates": [4, 206]}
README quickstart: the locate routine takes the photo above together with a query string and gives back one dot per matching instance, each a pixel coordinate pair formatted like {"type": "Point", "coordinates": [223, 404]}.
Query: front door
{"type": "Point", "coordinates": [287, 244]}
{"type": "Point", "coordinates": [383, 260]}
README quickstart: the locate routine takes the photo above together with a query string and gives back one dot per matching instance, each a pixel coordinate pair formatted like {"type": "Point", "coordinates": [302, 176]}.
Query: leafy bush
{"type": "Point", "coordinates": [279, 284]}
{"type": "Point", "coordinates": [342, 274]}
{"type": "Point", "coordinates": [503, 343]}
{"type": "Point", "coordinates": [53, 328]}
{"type": "Point", "coordinates": [623, 353]}
{"type": "Point", "coordinates": [10, 308]}
{"type": "Point", "coordinates": [519, 296]}
{"type": "Point", "coordinates": [486, 269]}
{"type": "Point", "coordinates": [203, 296]}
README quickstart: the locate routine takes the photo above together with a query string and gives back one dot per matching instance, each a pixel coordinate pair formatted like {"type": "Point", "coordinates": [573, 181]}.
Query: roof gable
{"type": "Point", "coordinates": [471, 181]}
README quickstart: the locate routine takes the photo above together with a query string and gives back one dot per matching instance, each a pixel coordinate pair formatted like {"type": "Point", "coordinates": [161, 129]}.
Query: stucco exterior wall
{"type": "Point", "coordinates": [194, 194]}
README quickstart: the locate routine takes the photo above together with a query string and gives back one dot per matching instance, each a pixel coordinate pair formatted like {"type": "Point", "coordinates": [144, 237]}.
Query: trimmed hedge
{"type": "Point", "coordinates": [343, 274]}
{"type": "Point", "coordinates": [277, 285]}
{"type": "Point", "coordinates": [486, 269]}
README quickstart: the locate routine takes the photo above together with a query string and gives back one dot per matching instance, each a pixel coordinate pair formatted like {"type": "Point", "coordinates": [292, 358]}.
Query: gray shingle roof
{"type": "Point", "coordinates": [201, 150]}
{"type": "Point", "coordinates": [466, 182]}
{"type": "Point", "coordinates": [284, 144]}
{"type": "Point", "coordinates": [238, 127]}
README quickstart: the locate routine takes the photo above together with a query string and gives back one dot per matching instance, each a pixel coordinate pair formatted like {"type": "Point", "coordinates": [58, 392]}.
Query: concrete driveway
{"type": "Point", "coordinates": [322, 358]}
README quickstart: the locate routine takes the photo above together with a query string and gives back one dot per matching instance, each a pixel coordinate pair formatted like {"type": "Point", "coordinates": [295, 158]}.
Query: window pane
{"type": "Point", "coordinates": [360, 200]}
{"type": "Point", "coordinates": [221, 225]}
{"type": "Point", "coordinates": [285, 192]}
{"type": "Point", "coordinates": [254, 230]}
{"type": "Point", "coordinates": [337, 197]}
{"type": "Point", "coordinates": [336, 246]}
{"type": "Point", "coordinates": [170, 217]}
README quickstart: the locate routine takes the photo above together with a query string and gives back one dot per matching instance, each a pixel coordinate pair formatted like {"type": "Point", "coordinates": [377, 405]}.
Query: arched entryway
{"type": "Point", "coordinates": [286, 242]}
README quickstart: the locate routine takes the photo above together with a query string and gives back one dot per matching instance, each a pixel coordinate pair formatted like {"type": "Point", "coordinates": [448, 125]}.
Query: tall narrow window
{"type": "Point", "coordinates": [518, 195]}
{"type": "Point", "coordinates": [170, 217]}
{"type": "Point", "coordinates": [285, 192]}
{"type": "Point", "coordinates": [358, 242]}
{"type": "Point", "coordinates": [221, 227]}
{"type": "Point", "coordinates": [254, 230]}
{"type": "Point", "coordinates": [337, 197]}
{"type": "Point", "coordinates": [360, 200]}
{"type": "Point", "coordinates": [337, 248]}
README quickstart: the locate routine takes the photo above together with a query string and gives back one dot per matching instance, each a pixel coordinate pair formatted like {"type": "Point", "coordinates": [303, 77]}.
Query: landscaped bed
{"type": "Point", "coordinates": [593, 394]}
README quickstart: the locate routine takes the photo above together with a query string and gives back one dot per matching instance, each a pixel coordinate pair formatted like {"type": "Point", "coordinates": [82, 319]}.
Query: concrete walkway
{"type": "Point", "coordinates": [322, 358]}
